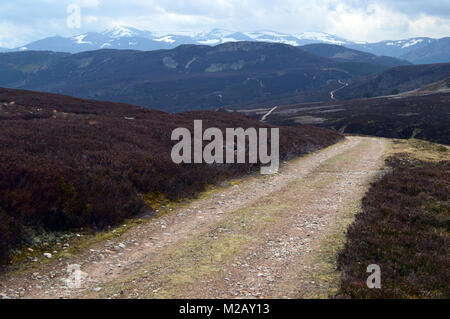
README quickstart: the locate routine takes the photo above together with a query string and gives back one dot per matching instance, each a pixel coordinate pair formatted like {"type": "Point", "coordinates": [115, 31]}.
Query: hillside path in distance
{"type": "Point", "coordinates": [345, 84]}
{"type": "Point", "coordinates": [265, 237]}
{"type": "Point", "coordinates": [268, 113]}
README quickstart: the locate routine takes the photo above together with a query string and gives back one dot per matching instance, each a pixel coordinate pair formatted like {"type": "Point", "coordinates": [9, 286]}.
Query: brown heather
{"type": "Point", "coordinates": [404, 228]}
{"type": "Point", "coordinates": [67, 163]}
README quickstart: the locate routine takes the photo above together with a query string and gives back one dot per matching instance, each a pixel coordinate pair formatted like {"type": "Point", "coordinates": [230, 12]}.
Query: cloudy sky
{"type": "Point", "coordinates": [23, 21]}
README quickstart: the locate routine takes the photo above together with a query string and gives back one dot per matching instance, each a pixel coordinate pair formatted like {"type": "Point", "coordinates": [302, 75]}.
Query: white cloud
{"type": "Point", "coordinates": [358, 20]}
{"type": "Point", "coordinates": [87, 3]}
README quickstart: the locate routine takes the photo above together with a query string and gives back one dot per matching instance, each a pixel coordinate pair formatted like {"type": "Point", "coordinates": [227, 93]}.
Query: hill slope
{"type": "Point", "coordinates": [442, 86]}
{"type": "Point", "coordinates": [396, 80]}
{"type": "Point", "coordinates": [189, 77]}
{"type": "Point", "coordinates": [340, 53]}
{"type": "Point", "coordinates": [437, 51]}
{"type": "Point", "coordinates": [68, 162]}
{"type": "Point", "coordinates": [415, 115]}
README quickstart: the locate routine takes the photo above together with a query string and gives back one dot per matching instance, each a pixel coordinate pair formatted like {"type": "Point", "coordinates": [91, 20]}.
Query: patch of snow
{"type": "Point", "coordinates": [23, 49]}
{"type": "Point", "coordinates": [223, 40]}
{"type": "Point", "coordinates": [411, 43]}
{"type": "Point", "coordinates": [167, 39]}
{"type": "Point", "coordinates": [80, 39]}
{"type": "Point", "coordinates": [207, 42]}
{"type": "Point", "coordinates": [120, 32]}
{"type": "Point", "coordinates": [319, 36]}
{"type": "Point", "coordinates": [271, 33]}
{"type": "Point", "coordinates": [293, 43]}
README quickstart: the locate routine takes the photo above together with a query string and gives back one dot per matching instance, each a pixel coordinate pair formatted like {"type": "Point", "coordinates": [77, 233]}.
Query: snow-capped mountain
{"type": "Point", "coordinates": [122, 37]}
{"type": "Point", "coordinates": [321, 37]}
{"type": "Point", "coordinates": [270, 36]}
{"type": "Point", "coordinates": [437, 51]}
{"type": "Point", "coordinates": [397, 48]}
{"type": "Point", "coordinates": [416, 50]}
{"type": "Point", "coordinates": [219, 36]}
{"type": "Point", "coordinates": [126, 32]}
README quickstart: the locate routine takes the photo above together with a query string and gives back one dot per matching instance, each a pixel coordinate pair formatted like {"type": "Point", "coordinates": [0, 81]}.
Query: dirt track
{"type": "Point", "coordinates": [268, 236]}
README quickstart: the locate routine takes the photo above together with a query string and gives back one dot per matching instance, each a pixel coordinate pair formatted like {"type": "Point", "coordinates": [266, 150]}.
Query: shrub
{"type": "Point", "coordinates": [67, 163]}
{"type": "Point", "coordinates": [404, 228]}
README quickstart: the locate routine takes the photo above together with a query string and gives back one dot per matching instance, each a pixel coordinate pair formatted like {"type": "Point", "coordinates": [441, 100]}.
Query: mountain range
{"type": "Point", "coordinates": [233, 74]}
{"type": "Point", "coordinates": [416, 50]}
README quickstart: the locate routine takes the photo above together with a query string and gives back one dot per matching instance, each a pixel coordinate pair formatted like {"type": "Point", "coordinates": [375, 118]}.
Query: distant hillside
{"type": "Point", "coordinates": [418, 50]}
{"type": "Point", "coordinates": [69, 163]}
{"type": "Point", "coordinates": [17, 67]}
{"type": "Point", "coordinates": [436, 52]}
{"type": "Point", "coordinates": [393, 48]}
{"type": "Point", "coordinates": [421, 116]}
{"type": "Point", "coordinates": [189, 77]}
{"type": "Point", "coordinates": [342, 54]}
{"type": "Point", "coordinates": [396, 80]}
{"type": "Point", "coordinates": [442, 86]}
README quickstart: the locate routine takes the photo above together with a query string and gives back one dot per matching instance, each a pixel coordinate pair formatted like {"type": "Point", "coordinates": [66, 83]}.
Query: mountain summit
{"type": "Point", "coordinates": [415, 50]}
